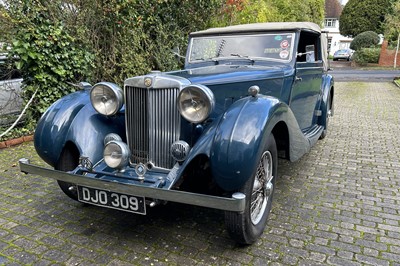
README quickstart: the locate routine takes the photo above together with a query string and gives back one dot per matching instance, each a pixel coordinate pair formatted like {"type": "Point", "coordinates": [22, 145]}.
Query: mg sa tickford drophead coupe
{"type": "Point", "coordinates": [208, 135]}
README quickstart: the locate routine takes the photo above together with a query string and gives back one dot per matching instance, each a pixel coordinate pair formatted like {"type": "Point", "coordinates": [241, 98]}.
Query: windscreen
{"type": "Point", "coordinates": [271, 46]}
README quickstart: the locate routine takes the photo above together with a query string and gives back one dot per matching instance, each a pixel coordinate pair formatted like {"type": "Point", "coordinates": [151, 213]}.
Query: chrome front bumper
{"type": "Point", "coordinates": [235, 203]}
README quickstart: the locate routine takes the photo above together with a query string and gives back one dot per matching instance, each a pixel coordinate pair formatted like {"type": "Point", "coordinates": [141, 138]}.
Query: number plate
{"type": "Point", "coordinates": [112, 200]}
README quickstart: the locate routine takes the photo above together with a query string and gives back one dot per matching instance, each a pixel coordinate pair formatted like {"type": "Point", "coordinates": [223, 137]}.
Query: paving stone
{"type": "Point", "coordinates": [341, 261]}
{"type": "Point", "coordinates": [371, 260]}
{"type": "Point", "coordinates": [345, 254]}
{"type": "Point", "coordinates": [345, 246]}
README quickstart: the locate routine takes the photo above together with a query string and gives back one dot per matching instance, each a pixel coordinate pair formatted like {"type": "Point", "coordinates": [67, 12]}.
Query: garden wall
{"type": "Point", "coordinates": [386, 57]}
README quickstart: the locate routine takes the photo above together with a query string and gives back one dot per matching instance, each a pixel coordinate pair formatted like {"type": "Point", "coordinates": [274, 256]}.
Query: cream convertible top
{"type": "Point", "coordinates": [273, 26]}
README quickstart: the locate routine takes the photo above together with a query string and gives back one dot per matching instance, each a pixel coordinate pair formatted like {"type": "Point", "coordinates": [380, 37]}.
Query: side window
{"type": "Point", "coordinates": [309, 47]}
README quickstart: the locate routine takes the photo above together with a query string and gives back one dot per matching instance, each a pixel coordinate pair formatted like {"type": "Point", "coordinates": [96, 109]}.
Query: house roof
{"type": "Point", "coordinates": [271, 26]}
{"type": "Point", "coordinates": [333, 9]}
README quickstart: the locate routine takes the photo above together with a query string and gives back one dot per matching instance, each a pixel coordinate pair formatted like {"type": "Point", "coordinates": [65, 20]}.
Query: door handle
{"type": "Point", "coordinates": [298, 79]}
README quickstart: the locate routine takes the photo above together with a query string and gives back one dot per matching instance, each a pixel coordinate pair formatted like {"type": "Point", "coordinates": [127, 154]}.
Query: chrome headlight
{"type": "Point", "coordinates": [195, 103]}
{"type": "Point", "coordinates": [116, 154]}
{"type": "Point", "coordinates": [107, 98]}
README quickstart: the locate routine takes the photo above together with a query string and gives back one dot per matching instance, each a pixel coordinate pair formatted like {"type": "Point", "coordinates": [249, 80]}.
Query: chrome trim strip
{"type": "Point", "coordinates": [236, 204]}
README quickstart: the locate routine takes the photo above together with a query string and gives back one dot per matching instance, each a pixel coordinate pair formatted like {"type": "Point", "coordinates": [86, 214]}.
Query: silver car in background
{"type": "Point", "coordinates": [343, 54]}
{"type": "Point", "coordinates": [10, 92]}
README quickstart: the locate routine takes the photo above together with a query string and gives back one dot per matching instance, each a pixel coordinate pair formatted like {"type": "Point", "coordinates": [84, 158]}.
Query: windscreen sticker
{"type": "Point", "coordinates": [271, 50]}
{"type": "Point", "coordinates": [284, 54]}
{"type": "Point", "coordinates": [284, 44]}
{"type": "Point", "coordinates": [278, 38]}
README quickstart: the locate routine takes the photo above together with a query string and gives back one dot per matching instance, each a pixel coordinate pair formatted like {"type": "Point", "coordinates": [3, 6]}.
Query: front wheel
{"type": "Point", "coordinates": [68, 161]}
{"type": "Point", "coordinates": [247, 227]}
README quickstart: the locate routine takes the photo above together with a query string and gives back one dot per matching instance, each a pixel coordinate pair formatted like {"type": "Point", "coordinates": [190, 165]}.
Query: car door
{"type": "Point", "coordinates": [307, 81]}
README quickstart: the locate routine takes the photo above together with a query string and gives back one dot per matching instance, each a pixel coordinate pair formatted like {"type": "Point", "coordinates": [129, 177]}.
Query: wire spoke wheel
{"type": "Point", "coordinates": [247, 227]}
{"type": "Point", "coordinates": [262, 187]}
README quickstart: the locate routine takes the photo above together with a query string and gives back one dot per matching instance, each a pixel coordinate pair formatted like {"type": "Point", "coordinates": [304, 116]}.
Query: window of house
{"type": "Point", "coordinates": [330, 22]}
{"type": "Point", "coordinates": [329, 43]}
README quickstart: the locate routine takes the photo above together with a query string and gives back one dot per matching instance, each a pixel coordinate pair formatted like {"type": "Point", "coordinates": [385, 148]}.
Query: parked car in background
{"type": "Point", "coordinates": [10, 91]}
{"type": "Point", "coordinates": [343, 54]}
{"type": "Point", "coordinates": [209, 135]}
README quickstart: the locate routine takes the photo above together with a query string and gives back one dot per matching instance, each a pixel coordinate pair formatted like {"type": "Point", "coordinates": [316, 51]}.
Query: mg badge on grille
{"type": "Point", "coordinates": [148, 82]}
{"type": "Point", "coordinates": [140, 170]}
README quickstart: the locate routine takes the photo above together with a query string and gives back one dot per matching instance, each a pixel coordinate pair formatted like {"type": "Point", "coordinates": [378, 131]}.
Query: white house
{"type": "Point", "coordinates": [333, 9]}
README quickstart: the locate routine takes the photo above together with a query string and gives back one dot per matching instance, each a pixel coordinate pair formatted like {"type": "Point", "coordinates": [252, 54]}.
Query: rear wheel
{"type": "Point", "coordinates": [247, 227]}
{"type": "Point", "coordinates": [68, 161]}
{"type": "Point", "coordinates": [328, 115]}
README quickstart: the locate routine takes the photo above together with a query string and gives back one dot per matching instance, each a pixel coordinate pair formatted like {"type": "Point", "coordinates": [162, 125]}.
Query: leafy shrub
{"type": "Point", "coordinates": [366, 39]}
{"type": "Point", "coordinates": [50, 59]}
{"type": "Point", "coordinates": [367, 55]}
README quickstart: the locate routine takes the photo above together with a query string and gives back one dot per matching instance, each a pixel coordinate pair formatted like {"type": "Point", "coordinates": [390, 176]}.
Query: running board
{"type": "Point", "coordinates": [313, 134]}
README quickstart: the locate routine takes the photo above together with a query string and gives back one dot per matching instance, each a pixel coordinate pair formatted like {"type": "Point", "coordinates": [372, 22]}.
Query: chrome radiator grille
{"type": "Point", "coordinates": [153, 124]}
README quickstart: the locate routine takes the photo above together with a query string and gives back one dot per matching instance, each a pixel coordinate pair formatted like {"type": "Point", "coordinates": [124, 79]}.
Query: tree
{"type": "Point", "coordinates": [392, 27]}
{"type": "Point", "coordinates": [365, 39]}
{"type": "Point", "coordinates": [364, 15]}
{"type": "Point", "coordinates": [253, 11]}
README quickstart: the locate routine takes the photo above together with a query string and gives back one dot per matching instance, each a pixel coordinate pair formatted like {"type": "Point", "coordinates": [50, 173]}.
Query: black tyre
{"type": "Point", "coordinates": [68, 161]}
{"type": "Point", "coordinates": [328, 115]}
{"type": "Point", "coordinates": [247, 227]}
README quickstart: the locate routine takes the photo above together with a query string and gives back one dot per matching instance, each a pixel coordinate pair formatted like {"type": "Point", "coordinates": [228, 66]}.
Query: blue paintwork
{"type": "Point", "coordinates": [234, 136]}
{"type": "Point", "coordinates": [239, 139]}
{"type": "Point", "coordinates": [73, 119]}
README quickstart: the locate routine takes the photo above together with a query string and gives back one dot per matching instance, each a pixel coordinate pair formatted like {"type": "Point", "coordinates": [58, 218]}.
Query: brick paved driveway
{"type": "Point", "coordinates": [338, 205]}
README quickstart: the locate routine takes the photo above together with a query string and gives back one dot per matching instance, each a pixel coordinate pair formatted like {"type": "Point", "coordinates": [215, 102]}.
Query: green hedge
{"type": "Point", "coordinates": [367, 55]}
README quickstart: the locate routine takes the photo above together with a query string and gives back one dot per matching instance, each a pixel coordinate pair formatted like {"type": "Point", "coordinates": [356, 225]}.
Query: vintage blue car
{"type": "Point", "coordinates": [209, 135]}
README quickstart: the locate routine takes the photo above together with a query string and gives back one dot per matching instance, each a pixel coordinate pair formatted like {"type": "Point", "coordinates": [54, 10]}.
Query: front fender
{"type": "Point", "coordinates": [89, 128]}
{"type": "Point", "coordinates": [240, 138]}
{"type": "Point", "coordinates": [73, 119]}
{"type": "Point", "coordinates": [53, 126]}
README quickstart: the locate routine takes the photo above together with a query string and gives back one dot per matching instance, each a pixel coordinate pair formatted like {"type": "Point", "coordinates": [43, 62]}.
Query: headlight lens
{"type": "Point", "coordinates": [116, 154]}
{"type": "Point", "coordinates": [107, 98]}
{"type": "Point", "coordinates": [195, 103]}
